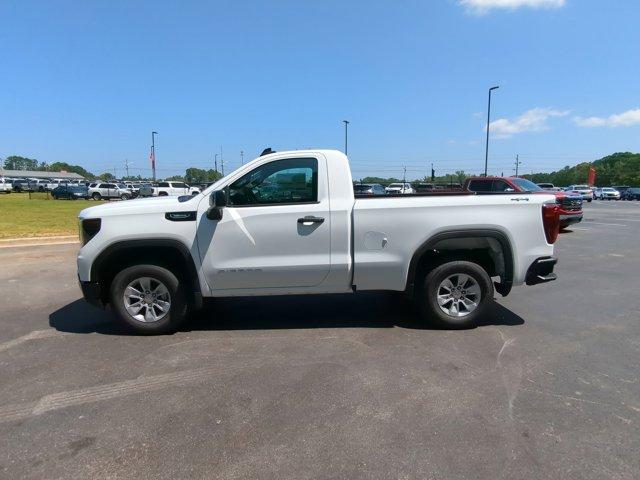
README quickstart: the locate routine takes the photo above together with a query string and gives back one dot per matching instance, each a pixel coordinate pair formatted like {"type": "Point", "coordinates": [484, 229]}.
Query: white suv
{"type": "Point", "coordinates": [109, 190]}
{"type": "Point", "coordinates": [5, 185]}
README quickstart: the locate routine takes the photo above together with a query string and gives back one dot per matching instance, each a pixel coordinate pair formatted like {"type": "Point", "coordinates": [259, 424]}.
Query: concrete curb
{"type": "Point", "coordinates": [37, 241]}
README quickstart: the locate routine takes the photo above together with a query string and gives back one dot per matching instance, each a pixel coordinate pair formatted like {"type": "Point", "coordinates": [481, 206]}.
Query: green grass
{"type": "Point", "coordinates": [39, 216]}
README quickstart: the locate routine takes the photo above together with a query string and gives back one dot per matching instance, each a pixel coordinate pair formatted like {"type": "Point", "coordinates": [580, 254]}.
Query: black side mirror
{"type": "Point", "coordinates": [217, 200]}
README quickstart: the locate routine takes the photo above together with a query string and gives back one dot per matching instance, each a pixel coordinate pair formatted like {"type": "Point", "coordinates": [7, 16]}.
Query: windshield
{"type": "Point", "coordinates": [526, 185]}
{"type": "Point", "coordinates": [395, 185]}
{"type": "Point", "coordinates": [608, 189]}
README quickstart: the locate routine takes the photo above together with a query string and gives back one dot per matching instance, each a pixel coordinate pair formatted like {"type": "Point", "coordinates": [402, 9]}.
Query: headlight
{"type": "Point", "coordinates": [89, 227]}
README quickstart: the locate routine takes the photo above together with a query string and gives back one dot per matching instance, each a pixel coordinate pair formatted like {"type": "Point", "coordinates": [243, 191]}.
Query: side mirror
{"type": "Point", "coordinates": [217, 200]}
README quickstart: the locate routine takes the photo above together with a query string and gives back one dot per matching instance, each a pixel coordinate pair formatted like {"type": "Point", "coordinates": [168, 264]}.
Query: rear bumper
{"type": "Point", "coordinates": [541, 271]}
{"type": "Point", "coordinates": [92, 293]}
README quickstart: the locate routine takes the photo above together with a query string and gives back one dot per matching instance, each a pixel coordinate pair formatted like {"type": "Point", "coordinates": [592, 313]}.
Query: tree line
{"type": "Point", "coordinates": [622, 168]}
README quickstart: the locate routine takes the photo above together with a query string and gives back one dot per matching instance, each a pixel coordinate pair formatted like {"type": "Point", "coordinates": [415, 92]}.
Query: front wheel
{"type": "Point", "coordinates": [124, 196]}
{"type": "Point", "coordinates": [149, 299]}
{"type": "Point", "coordinates": [454, 294]}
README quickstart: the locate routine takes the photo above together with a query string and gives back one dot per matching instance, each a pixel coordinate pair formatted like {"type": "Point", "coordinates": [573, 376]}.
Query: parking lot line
{"type": "Point", "coordinates": [600, 223]}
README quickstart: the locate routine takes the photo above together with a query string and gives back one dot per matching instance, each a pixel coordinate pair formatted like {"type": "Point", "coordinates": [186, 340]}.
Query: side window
{"type": "Point", "coordinates": [501, 186]}
{"type": "Point", "coordinates": [178, 185]}
{"type": "Point", "coordinates": [163, 184]}
{"type": "Point", "coordinates": [109, 185]}
{"type": "Point", "coordinates": [480, 185]}
{"type": "Point", "coordinates": [292, 180]}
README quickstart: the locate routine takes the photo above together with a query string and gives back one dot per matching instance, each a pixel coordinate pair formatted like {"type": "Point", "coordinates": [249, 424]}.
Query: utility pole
{"type": "Point", "coordinates": [346, 134]}
{"type": "Point", "coordinates": [153, 154]}
{"type": "Point", "coordinates": [241, 157]}
{"type": "Point", "coordinates": [215, 162]}
{"type": "Point", "coordinates": [221, 161]}
{"type": "Point", "coordinates": [518, 163]}
{"type": "Point", "coordinates": [486, 150]}
{"type": "Point", "coordinates": [404, 176]}
{"type": "Point", "coordinates": [126, 166]}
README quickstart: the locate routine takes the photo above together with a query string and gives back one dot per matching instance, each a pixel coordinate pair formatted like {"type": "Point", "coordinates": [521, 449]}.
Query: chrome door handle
{"type": "Point", "coordinates": [525, 199]}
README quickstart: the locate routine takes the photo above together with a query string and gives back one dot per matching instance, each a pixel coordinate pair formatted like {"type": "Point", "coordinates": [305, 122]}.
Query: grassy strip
{"type": "Point", "coordinates": [39, 216]}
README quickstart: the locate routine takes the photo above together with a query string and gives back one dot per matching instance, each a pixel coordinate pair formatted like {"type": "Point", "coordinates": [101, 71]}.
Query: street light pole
{"type": "Point", "coordinates": [486, 150]}
{"type": "Point", "coordinates": [346, 131]}
{"type": "Point", "coordinates": [153, 153]}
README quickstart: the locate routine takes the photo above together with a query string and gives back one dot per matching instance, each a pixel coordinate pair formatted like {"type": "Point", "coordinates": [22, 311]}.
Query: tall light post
{"type": "Point", "coordinates": [153, 153]}
{"type": "Point", "coordinates": [346, 134]}
{"type": "Point", "coordinates": [486, 150]}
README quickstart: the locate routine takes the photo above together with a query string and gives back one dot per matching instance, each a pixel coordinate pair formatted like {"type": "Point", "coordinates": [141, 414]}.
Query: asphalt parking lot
{"type": "Point", "coordinates": [330, 387]}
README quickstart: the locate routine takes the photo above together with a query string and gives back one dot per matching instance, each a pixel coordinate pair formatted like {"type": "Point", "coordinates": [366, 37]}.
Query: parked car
{"type": "Point", "coordinates": [401, 188]}
{"type": "Point", "coordinates": [174, 189]}
{"type": "Point", "coordinates": [110, 190]}
{"type": "Point", "coordinates": [609, 193]}
{"type": "Point", "coordinates": [19, 185]}
{"type": "Point", "coordinates": [154, 261]}
{"type": "Point", "coordinates": [368, 189]}
{"type": "Point", "coordinates": [6, 186]}
{"type": "Point", "coordinates": [570, 206]}
{"type": "Point", "coordinates": [632, 193]}
{"type": "Point", "coordinates": [550, 187]}
{"type": "Point", "coordinates": [70, 192]}
{"type": "Point", "coordinates": [424, 187]}
{"type": "Point", "coordinates": [583, 190]}
{"type": "Point", "coordinates": [621, 188]}
{"type": "Point", "coordinates": [145, 190]}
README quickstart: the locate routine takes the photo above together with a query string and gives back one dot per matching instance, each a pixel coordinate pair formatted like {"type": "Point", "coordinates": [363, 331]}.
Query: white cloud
{"type": "Point", "coordinates": [483, 6]}
{"type": "Point", "coordinates": [624, 119]}
{"type": "Point", "coordinates": [534, 120]}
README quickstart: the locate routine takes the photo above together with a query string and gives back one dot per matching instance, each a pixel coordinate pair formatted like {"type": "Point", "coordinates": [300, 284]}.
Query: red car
{"type": "Point", "coordinates": [570, 205]}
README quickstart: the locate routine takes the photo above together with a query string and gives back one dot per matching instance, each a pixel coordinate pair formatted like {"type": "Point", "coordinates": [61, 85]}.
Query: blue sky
{"type": "Point", "coordinates": [86, 82]}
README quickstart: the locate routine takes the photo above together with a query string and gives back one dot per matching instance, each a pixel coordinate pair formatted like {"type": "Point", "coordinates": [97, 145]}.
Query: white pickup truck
{"type": "Point", "coordinates": [288, 223]}
{"type": "Point", "coordinates": [174, 189]}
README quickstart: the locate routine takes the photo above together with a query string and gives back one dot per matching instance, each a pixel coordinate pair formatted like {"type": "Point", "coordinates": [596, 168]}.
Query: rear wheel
{"type": "Point", "coordinates": [96, 196]}
{"type": "Point", "coordinates": [149, 299]}
{"type": "Point", "coordinates": [454, 294]}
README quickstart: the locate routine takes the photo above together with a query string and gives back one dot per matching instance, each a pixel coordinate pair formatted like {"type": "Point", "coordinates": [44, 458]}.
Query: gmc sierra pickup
{"type": "Point", "coordinates": [289, 223]}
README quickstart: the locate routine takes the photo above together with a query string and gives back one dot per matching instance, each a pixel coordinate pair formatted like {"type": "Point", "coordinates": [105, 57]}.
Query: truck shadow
{"type": "Point", "coordinates": [363, 310]}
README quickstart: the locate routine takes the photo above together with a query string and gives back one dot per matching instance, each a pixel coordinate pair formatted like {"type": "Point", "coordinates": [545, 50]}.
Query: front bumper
{"type": "Point", "coordinates": [541, 271]}
{"type": "Point", "coordinates": [569, 219]}
{"type": "Point", "coordinates": [92, 293]}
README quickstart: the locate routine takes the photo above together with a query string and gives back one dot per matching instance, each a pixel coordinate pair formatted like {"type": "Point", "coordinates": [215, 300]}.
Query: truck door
{"type": "Point", "coordinates": [275, 230]}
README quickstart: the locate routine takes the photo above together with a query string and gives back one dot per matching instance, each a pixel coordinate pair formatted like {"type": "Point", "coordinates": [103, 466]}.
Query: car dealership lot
{"type": "Point", "coordinates": [338, 386]}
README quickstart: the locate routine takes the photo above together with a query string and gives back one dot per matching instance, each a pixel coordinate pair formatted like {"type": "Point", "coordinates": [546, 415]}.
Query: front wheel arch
{"type": "Point", "coordinates": [166, 253]}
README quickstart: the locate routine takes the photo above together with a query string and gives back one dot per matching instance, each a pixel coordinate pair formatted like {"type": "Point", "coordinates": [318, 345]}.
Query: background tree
{"type": "Point", "coordinates": [106, 176]}
{"type": "Point", "coordinates": [16, 162]}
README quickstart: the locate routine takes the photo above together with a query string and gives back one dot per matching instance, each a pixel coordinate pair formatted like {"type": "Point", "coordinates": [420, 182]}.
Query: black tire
{"type": "Point", "coordinates": [124, 196]}
{"type": "Point", "coordinates": [589, 200]}
{"type": "Point", "coordinates": [427, 293]}
{"type": "Point", "coordinates": [96, 196]}
{"type": "Point", "coordinates": [177, 312]}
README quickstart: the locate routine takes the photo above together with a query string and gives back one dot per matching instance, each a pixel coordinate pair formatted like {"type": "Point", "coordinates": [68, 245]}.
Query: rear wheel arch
{"type": "Point", "coordinates": [166, 253]}
{"type": "Point", "coordinates": [489, 248]}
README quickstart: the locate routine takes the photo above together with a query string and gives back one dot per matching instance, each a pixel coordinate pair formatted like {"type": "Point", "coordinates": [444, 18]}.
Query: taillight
{"type": "Point", "coordinates": [551, 221]}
